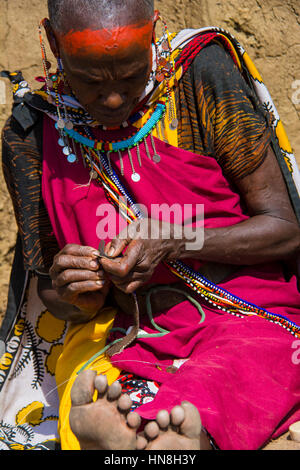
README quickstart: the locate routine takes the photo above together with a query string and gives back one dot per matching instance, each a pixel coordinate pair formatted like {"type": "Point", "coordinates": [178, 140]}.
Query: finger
{"type": "Point", "coordinates": [79, 250]}
{"type": "Point", "coordinates": [130, 287]}
{"type": "Point", "coordinates": [132, 282]}
{"type": "Point", "coordinates": [77, 288]}
{"type": "Point", "coordinates": [116, 246]}
{"type": "Point", "coordinates": [63, 262]}
{"type": "Point", "coordinates": [77, 275]}
{"type": "Point", "coordinates": [120, 267]}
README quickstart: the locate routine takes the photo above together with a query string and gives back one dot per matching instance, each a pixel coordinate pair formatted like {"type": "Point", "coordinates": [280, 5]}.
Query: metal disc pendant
{"type": "Point", "coordinates": [67, 151]}
{"type": "Point", "coordinates": [165, 46]}
{"type": "Point", "coordinates": [61, 124]}
{"type": "Point", "coordinates": [69, 125]}
{"type": "Point", "coordinates": [135, 177]}
{"type": "Point", "coordinates": [72, 158]}
{"type": "Point", "coordinates": [156, 158]}
{"type": "Point", "coordinates": [174, 124]}
{"type": "Point", "coordinates": [160, 77]}
{"type": "Point", "coordinates": [162, 61]}
{"type": "Point", "coordinates": [61, 142]}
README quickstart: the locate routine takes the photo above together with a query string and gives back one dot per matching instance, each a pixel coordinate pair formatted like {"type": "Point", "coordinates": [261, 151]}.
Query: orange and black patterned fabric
{"type": "Point", "coordinates": [220, 116]}
{"type": "Point", "coordinates": [21, 161]}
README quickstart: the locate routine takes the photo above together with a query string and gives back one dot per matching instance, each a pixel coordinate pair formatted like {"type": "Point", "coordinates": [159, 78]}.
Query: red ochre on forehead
{"type": "Point", "coordinates": [107, 42]}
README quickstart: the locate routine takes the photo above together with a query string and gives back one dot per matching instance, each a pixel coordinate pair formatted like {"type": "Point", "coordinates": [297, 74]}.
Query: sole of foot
{"type": "Point", "coordinates": [105, 423]}
{"type": "Point", "coordinates": [180, 429]}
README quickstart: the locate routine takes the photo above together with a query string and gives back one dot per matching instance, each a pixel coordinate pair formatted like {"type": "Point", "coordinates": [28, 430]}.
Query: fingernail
{"type": "Point", "coordinates": [100, 283]}
{"type": "Point", "coordinates": [94, 264]}
{"type": "Point", "coordinates": [96, 253]}
{"type": "Point", "coordinates": [111, 251]}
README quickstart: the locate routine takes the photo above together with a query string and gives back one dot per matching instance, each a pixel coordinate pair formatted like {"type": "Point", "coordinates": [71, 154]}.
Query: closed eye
{"type": "Point", "coordinates": [137, 75]}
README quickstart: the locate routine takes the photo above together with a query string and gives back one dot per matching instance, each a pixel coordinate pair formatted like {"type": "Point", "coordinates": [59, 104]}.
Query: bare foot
{"type": "Point", "coordinates": [181, 429]}
{"type": "Point", "coordinates": [107, 423]}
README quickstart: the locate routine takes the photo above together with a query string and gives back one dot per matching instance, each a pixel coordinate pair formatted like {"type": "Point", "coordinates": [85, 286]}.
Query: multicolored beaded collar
{"type": "Point", "coordinates": [122, 144]}
{"type": "Point", "coordinates": [68, 137]}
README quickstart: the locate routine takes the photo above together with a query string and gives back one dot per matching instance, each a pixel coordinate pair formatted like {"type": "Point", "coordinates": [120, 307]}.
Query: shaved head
{"type": "Point", "coordinates": [79, 14]}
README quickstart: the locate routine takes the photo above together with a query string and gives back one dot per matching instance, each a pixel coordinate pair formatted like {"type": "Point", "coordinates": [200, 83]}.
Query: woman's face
{"type": "Point", "coordinates": [108, 70]}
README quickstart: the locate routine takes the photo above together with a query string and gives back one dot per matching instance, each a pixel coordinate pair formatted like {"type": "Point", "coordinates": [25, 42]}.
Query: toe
{"type": "Point", "coordinates": [177, 416]}
{"type": "Point", "coordinates": [101, 384]}
{"type": "Point", "coordinates": [134, 420]}
{"type": "Point", "coordinates": [191, 425]}
{"type": "Point", "coordinates": [114, 391]}
{"type": "Point", "coordinates": [151, 430]}
{"type": "Point", "coordinates": [83, 389]}
{"type": "Point", "coordinates": [163, 419]}
{"type": "Point", "coordinates": [124, 403]}
{"type": "Point", "coordinates": [141, 443]}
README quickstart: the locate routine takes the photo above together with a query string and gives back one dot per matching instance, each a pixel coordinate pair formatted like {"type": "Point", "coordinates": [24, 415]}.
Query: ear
{"type": "Point", "coordinates": [156, 17]}
{"type": "Point", "coordinates": [51, 37]}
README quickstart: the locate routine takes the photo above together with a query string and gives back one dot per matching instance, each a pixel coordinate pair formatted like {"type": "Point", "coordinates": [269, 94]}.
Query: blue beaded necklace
{"type": "Point", "coordinates": [87, 143]}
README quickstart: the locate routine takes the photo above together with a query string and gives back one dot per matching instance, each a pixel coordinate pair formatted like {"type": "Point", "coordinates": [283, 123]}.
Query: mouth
{"type": "Point", "coordinates": [112, 117]}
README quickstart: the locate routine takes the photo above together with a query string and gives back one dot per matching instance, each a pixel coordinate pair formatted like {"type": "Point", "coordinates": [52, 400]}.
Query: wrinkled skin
{"type": "Point", "coordinates": [108, 86]}
{"type": "Point", "coordinates": [78, 285]}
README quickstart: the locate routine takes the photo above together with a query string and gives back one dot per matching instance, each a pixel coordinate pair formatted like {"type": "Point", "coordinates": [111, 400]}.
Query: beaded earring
{"type": "Point", "coordinates": [165, 68]}
{"type": "Point", "coordinates": [46, 63]}
{"type": "Point", "coordinates": [54, 82]}
{"type": "Point", "coordinates": [55, 86]}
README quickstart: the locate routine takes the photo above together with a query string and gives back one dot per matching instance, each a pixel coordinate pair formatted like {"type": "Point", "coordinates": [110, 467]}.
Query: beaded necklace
{"type": "Point", "coordinates": [122, 144]}
{"type": "Point", "coordinates": [68, 137]}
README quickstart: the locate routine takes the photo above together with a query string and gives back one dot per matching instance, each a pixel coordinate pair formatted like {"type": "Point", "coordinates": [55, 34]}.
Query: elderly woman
{"type": "Point", "coordinates": [180, 330]}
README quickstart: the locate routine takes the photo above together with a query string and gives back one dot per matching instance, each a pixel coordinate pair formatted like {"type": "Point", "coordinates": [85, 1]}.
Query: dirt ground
{"type": "Point", "coordinates": [268, 29]}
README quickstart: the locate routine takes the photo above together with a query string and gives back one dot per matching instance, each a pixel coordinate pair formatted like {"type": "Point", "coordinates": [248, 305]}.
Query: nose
{"type": "Point", "coordinates": [113, 100]}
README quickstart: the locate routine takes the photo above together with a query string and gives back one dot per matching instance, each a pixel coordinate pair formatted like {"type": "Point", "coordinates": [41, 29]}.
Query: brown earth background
{"type": "Point", "coordinates": [268, 29]}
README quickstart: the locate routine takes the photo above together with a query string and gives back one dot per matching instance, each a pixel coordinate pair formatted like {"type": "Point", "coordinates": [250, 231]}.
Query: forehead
{"type": "Point", "coordinates": [107, 43]}
{"type": "Point", "coordinates": [107, 67]}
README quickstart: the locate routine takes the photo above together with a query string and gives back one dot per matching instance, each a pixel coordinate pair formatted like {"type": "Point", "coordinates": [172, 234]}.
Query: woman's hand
{"type": "Point", "coordinates": [79, 281]}
{"type": "Point", "coordinates": [147, 243]}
